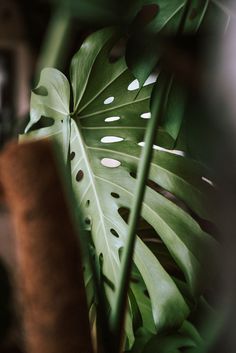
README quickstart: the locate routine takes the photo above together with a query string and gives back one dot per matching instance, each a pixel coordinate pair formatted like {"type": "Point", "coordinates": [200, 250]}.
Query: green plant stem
{"type": "Point", "coordinates": [118, 314]}
{"type": "Point", "coordinates": [54, 50]}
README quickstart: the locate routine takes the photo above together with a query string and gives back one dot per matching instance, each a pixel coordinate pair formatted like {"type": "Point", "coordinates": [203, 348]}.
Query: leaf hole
{"type": "Point", "coordinates": [40, 91]}
{"type": "Point", "coordinates": [151, 79]}
{"type": "Point", "coordinates": [87, 221]}
{"type": "Point", "coordinates": [112, 118]}
{"type": "Point", "coordinates": [110, 163]}
{"type": "Point", "coordinates": [145, 292]}
{"type": "Point", "coordinates": [108, 282]}
{"type": "Point", "coordinates": [120, 251]}
{"type": "Point", "coordinates": [133, 85]}
{"type": "Point", "coordinates": [100, 257]}
{"type": "Point", "coordinates": [146, 15]}
{"type": "Point", "coordinates": [87, 203]}
{"type": "Point", "coordinates": [141, 144]}
{"type": "Point", "coordinates": [111, 139]}
{"type": "Point", "coordinates": [46, 121]}
{"type": "Point", "coordinates": [133, 175]}
{"type": "Point", "coordinates": [154, 242]}
{"type": "Point", "coordinates": [205, 225]}
{"type": "Point", "coordinates": [146, 115]}
{"type": "Point", "coordinates": [114, 232]}
{"type": "Point", "coordinates": [109, 100]}
{"type": "Point", "coordinates": [134, 279]}
{"type": "Point", "coordinates": [144, 229]}
{"type": "Point", "coordinates": [159, 148]}
{"type": "Point", "coordinates": [208, 181]}
{"type": "Point", "coordinates": [115, 195]}
{"type": "Point", "coordinates": [118, 50]}
{"type": "Point", "coordinates": [167, 194]}
{"type": "Point", "coordinates": [43, 122]}
{"type": "Point", "coordinates": [72, 155]}
{"type": "Point", "coordinates": [79, 175]}
{"type": "Point", "coordinates": [124, 213]}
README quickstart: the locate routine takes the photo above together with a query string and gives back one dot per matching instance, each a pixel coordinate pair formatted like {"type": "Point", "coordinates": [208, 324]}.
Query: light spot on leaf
{"type": "Point", "coordinates": [112, 118]}
{"type": "Point", "coordinates": [109, 100]}
{"type": "Point", "coordinates": [133, 85]}
{"type": "Point", "coordinates": [111, 139]}
{"type": "Point", "coordinates": [110, 162]}
{"type": "Point", "coordinates": [146, 115]}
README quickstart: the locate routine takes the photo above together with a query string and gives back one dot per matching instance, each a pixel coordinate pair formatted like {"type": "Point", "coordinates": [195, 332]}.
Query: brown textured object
{"type": "Point", "coordinates": [50, 272]}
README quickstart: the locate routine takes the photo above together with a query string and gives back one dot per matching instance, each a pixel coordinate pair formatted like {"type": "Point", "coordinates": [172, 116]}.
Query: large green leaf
{"type": "Point", "coordinates": [102, 136]}
{"type": "Point", "coordinates": [147, 44]}
{"type": "Point", "coordinates": [165, 34]}
{"type": "Point", "coordinates": [51, 100]}
{"type": "Point", "coordinates": [145, 48]}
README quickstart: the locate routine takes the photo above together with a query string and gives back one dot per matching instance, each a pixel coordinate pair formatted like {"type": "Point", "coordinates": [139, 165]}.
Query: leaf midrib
{"type": "Point", "coordinates": [86, 82]}
{"type": "Point", "coordinates": [64, 104]}
{"type": "Point", "coordinates": [92, 184]}
{"type": "Point", "coordinates": [101, 91]}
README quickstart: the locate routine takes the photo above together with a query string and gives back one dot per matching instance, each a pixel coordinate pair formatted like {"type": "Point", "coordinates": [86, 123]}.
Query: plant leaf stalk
{"type": "Point", "coordinates": [117, 319]}
{"type": "Point", "coordinates": [55, 44]}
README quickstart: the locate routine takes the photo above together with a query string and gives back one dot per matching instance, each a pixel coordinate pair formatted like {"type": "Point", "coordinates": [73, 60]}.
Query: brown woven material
{"type": "Point", "coordinates": [50, 272]}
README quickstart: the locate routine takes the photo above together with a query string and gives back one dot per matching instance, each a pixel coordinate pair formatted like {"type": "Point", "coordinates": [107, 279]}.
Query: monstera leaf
{"type": "Point", "coordinates": [102, 139]}
{"type": "Point", "coordinates": [175, 28]}
{"type": "Point", "coordinates": [142, 55]}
